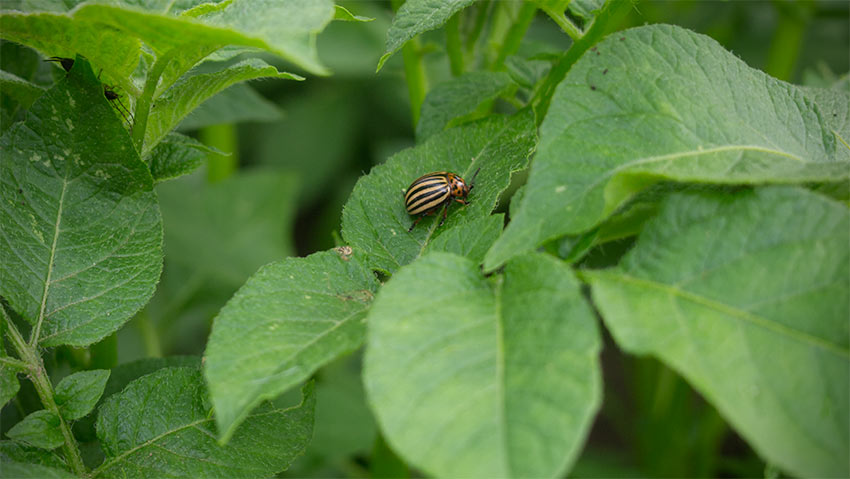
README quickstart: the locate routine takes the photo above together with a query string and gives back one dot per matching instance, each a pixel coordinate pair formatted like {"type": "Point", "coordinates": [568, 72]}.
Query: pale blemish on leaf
{"type": "Point", "coordinates": [35, 230]}
{"type": "Point", "coordinates": [69, 124]}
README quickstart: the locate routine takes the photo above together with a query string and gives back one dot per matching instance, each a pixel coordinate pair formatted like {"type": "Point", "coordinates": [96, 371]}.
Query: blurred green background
{"type": "Point", "coordinates": [296, 160]}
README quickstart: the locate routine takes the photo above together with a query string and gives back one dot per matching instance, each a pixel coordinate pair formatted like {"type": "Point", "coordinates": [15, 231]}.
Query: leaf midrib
{"type": "Point", "coordinates": [37, 331]}
{"type": "Point", "coordinates": [466, 172]}
{"type": "Point", "coordinates": [747, 316]}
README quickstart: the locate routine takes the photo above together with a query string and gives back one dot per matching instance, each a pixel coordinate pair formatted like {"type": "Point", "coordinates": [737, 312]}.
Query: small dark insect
{"type": "Point", "coordinates": [592, 87]}
{"type": "Point", "coordinates": [108, 91]}
{"type": "Point", "coordinates": [622, 38]}
{"type": "Point", "coordinates": [597, 53]}
{"type": "Point", "coordinates": [604, 71]}
{"type": "Point", "coordinates": [114, 98]}
{"type": "Point", "coordinates": [436, 190]}
{"type": "Point", "coordinates": [20, 190]}
{"type": "Point", "coordinates": [65, 63]}
{"type": "Point", "coordinates": [593, 49]}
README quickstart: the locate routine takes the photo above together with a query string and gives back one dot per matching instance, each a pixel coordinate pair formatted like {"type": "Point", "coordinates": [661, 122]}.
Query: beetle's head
{"type": "Point", "coordinates": [459, 187]}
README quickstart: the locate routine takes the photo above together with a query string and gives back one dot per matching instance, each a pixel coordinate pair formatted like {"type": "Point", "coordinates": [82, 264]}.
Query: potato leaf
{"type": "Point", "coordinates": [748, 297]}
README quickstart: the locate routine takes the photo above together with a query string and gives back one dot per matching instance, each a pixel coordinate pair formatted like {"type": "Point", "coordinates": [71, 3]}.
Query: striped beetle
{"type": "Point", "coordinates": [436, 190]}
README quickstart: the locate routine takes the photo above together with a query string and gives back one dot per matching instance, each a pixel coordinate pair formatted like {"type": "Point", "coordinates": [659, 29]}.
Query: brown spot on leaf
{"type": "Point", "coordinates": [344, 252]}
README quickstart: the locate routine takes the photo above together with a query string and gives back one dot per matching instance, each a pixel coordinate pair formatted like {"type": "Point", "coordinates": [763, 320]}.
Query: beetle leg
{"type": "Point", "coordinates": [462, 201]}
{"type": "Point", "coordinates": [415, 223]}
{"type": "Point", "coordinates": [445, 213]}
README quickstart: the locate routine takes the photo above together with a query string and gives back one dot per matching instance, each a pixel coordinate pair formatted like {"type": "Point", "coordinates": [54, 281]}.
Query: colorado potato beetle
{"type": "Point", "coordinates": [436, 190]}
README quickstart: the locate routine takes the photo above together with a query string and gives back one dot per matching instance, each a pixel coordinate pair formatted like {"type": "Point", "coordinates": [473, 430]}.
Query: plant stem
{"type": "Point", "coordinates": [480, 19]}
{"type": "Point", "coordinates": [414, 72]}
{"type": "Point", "coordinates": [787, 39]}
{"type": "Point", "coordinates": [611, 13]}
{"type": "Point", "coordinates": [224, 138]}
{"type": "Point", "coordinates": [149, 334]}
{"type": "Point", "coordinates": [565, 23]}
{"type": "Point", "coordinates": [14, 363]}
{"type": "Point", "coordinates": [144, 103]}
{"type": "Point", "coordinates": [516, 33]}
{"type": "Point", "coordinates": [453, 44]}
{"type": "Point", "coordinates": [38, 375]}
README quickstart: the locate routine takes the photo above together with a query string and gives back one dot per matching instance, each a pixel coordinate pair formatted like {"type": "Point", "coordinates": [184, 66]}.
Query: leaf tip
{"type": "Point", "coordinates": [383, 60]}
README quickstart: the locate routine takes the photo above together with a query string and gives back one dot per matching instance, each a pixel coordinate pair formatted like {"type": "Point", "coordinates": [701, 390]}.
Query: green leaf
{"type": "Point", "coordinates": [22, 62]}
{"type": "Point", "coordinates": [526, 72]}
{"type": "Point", "coordinates": [39, 429]}
{"type": "Point", "coordinates": [417, 16]}
{"type": "Point", "coordinates": [342, 14]}
{"type": "Point", "coordinates": [633, 111]}
{"type": "Point", "coordinates": [21, 453]}
{"type": "Point", "coordinates": [834, 104]}
{"type": "Point", "coordinates": [374, 218]}
{"type": "Point", "coordinates": [459, 97]}
{"type": "Point", "coordinates": [161, 425]}
{"type": "Point", "coordinates": [58, 34]}
{"type": "Point", "coordinates": [77, 394]}
{"type": "Point", "coordinates": [470, 377]}
{"type": "Point", "coordinates": [19, 89]}
{"type": "Point", "coordinates": [235, 104]}
{"type": "Point", "coordinates": [748, 297]}
{"type": "Point", "coordinates": [124, 374]}
{"type": "Point", "coordinates": [471, 239]}
{"type": "Point", "coordinates": [585, 9]}
{"type": "Point", "coordinates": [177, 155]}
{"type": "Point", "coordinates": [297, 315]}
{"type": "Point", "coordinates": [82, 235]}
{"type": "Point", "coordinates": [285, 28]}
{"type": "Point", "coordinates": [189, 92]}
{"type": "Point", "coordinates": [250, 215]}
{"type": "Point", "coordinates": [20, 470]}
{"type": "Point", "coordinates": [9, 384]}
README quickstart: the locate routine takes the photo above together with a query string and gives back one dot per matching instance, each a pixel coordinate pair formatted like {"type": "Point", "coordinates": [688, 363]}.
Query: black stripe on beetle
{"type": "Point", "coordinates": [436, 190]}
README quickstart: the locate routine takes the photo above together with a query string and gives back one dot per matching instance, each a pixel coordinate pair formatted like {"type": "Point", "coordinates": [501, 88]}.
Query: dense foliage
{"type": "Point", "coordinates": [652, 276]}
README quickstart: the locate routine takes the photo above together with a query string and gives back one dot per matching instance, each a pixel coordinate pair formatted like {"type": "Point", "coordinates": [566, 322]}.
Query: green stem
{"type": "Point", "coordinates": [414, 73]}
{"type": "Point", "coordinates": [611, 13]}
{"type": "Point", "coordinates": [150, 337]}
{"type": "Point", "coordinates": [516, 33]}
{"type": "Point", "coordinates": [224, 138]}
{"type": "Point", "coordinates": [787, 39]}
{"type": "Point", "coordinates": [480, 19]}
{"type": "Point", "coordinates": [453, 44]}
{"type": "Point", "coordinates": [145, 101]}
{"type": "Point", "coordinates": [565, 23]}
{"type": "Point", "coordinates": [14, 363]}
{"type": "Point", "coordinates": [38, 375]}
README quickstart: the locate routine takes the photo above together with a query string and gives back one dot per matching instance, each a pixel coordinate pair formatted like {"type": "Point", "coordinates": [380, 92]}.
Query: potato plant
{"type": "Point", "coordinates": [640, 190]}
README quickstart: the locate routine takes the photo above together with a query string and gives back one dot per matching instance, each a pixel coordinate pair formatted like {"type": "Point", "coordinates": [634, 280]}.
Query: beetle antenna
{"type": "Point", "coordinates": [472, 181]}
